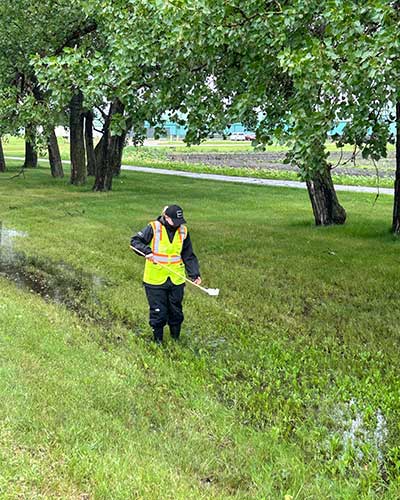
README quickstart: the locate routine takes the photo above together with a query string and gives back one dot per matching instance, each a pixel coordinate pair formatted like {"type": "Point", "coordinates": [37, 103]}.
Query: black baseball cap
{"type": "Point", "coordinates": [176, 214]}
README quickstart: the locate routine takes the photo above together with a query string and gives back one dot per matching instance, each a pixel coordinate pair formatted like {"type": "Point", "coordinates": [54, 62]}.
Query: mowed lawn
{"type": "Point", "coordinates": [285, 386]}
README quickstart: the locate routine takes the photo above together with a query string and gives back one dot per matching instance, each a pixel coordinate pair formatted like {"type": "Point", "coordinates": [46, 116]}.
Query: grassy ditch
{"type": "Point", "coordinates": [287, 384]}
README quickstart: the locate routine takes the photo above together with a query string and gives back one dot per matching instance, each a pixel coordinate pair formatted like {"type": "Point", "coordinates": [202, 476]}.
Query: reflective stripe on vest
{"type": "Point", "coordinates": [157, 231]}
{"type": "Point", "coordinates": [182, 232]}
{"type": "Point", "coordinates": [157, 238]}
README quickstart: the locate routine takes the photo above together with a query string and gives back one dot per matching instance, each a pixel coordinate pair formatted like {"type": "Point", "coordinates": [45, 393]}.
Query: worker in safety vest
{"type": "Point", "coordinates": [166, 245]}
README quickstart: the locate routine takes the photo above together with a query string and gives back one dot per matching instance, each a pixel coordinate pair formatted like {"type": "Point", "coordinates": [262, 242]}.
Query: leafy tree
{"type": "Point", "coordinates": [339, 61]}
{"type": "Point", "coordinates": [24, 104]}
{"type": "Point", "coordinates": [134, 72]}
{"type": "Point", "coordinates": [259, 73]}
{"type": "Point", "coordinates": [352, 58]}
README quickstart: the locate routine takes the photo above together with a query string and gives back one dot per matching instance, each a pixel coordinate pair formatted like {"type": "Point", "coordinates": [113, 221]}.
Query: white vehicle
{"type": "Point", "coordinates": [238, 136]}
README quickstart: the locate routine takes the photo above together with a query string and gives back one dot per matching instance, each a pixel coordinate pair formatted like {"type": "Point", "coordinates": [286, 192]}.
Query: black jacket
{"type": "Point", "coordinates": [142, 239]}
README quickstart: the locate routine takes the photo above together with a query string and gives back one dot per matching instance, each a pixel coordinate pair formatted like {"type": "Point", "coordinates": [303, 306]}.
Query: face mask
{"type": "Point", "coordinates": [169, 225]}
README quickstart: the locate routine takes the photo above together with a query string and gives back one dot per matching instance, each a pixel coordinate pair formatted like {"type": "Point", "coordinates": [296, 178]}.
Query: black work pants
{"type": "Point", "coordinates": [165, 305]}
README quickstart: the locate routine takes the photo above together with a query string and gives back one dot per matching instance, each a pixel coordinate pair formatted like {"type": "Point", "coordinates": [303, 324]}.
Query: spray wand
{"type": "Point", "coordinates": [213, 292]}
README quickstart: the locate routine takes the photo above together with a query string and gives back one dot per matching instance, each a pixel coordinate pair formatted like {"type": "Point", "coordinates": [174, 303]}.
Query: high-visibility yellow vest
{"type": "Point", "coordinates": [167, 254]}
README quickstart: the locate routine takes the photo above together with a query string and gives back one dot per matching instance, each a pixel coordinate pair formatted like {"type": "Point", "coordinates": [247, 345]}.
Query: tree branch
{"type": "Point", "coordinates": [73, 38]}
{"type": "Point", "coordinates": [103, 113]}
{"type": "Point", "coordinates": [21, 172]}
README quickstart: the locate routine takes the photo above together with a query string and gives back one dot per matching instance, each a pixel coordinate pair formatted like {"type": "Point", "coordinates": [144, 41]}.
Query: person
{"type": "Point", "coordinates": [167, 247]}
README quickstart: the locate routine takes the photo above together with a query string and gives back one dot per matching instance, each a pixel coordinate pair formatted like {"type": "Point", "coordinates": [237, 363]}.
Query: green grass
{"type": "Point", "coordinates": [256, 400]}
{"type": "Point", "coordinates": [156, 156]}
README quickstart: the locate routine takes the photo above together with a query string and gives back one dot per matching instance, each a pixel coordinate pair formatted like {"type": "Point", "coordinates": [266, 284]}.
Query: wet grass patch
{"type": "Point", "coordinates": [55, 281]}
{"type": "Point", "coordinates": [79, 291]}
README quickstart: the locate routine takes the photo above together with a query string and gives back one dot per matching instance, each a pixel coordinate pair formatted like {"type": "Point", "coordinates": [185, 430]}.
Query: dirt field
{"type": "Point", "coordinates": [274, 160]}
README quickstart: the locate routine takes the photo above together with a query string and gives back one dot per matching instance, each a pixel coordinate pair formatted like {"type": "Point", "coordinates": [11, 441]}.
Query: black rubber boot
{"type": "Point", "coordinates": [175, 331]}
{"type": "Point", "coordinates": [158, 335]}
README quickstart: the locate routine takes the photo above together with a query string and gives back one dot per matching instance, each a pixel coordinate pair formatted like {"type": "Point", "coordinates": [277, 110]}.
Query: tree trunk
{"type": "Point", "coordinates": [117, 161]}
{"type": "Point", "coordinates": [31, 159]}
{"type": "Point", "coordinates": [2, 160]}
{"type": "Point", "coordinates": [396, 206]}
{"type": "Point", "coordinates": [54, 156]}
{"type": "Point", "coordinates": [117, 150]}
{"type": "Point", "coordinates": [325, 204]}
{"type": "Point", "coordinates": [98, 151]}
{"type": "Point", "coordinates": [108, 151]}
{"type": "Point", "coordinates": [91, 162]}
{"type": "Point", "coordinates": [77, 143]}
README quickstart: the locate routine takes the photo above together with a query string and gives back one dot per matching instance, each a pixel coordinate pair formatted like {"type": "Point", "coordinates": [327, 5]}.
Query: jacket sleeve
{"type": "Point", "coordinates": [190, 259]}
{"type": "Point", "coordinates": [142, 239]}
